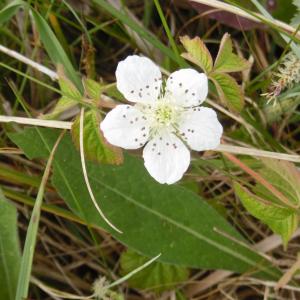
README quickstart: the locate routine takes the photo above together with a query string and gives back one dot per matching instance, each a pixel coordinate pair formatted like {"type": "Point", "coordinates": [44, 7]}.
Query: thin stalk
{"type": "Point", "coordinates": [29, 62]}
{"type": "Point", "coordinates": [168, 32]}
{"type": "Point", "coordinates": [85, 175]}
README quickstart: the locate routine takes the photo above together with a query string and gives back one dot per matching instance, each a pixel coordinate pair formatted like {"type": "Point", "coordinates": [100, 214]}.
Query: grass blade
{"type": "Point", "coordinates": [121, 16]}
{"type": "Point", "coordinates": [27, 258]}
{"type": "Point", "coordinates": [10, 10]}
{"type": "Point", "coordinates": [54, 48]}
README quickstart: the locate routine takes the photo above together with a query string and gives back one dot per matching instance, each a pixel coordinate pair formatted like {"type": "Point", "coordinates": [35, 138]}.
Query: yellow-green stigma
{"type": "Point", "coordinates": [165, 114]}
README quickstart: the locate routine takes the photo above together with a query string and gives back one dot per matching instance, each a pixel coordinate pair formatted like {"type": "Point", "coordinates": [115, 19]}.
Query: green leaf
{"type": "Point", "coordinates": [123, 17]}
{"type": "Point", "coordinates": [71, 97]}
{"type": "Point", "coordinates": [7, 12]}
{"type": "Point", "coordinates": [296, 18]}
{"type": "Point", "coordinates": [54, 48]}
{"type": "Point", "coordinates": [95, 146]}
{"type": "Point", "coordinates": [10, 256]}
{"type": "Point", "coordinates": [227, 61]}
{"type": "Point", "coordinates": [197, 53]}
{"type": "Point", "coordinates": [158, 276]}
{"type": "Point", "coordinates": [92, 88]}
{"type": "Point", "coordinates": [154, 218]}
{"type": "Point", "coordinates": [277, 110]}
{"type": "Point", "coordinates": [280, 219]}
{"type": "Point", "coordinates": [228, 90]}
{"type": "Point", "coordinates": [284, 176]}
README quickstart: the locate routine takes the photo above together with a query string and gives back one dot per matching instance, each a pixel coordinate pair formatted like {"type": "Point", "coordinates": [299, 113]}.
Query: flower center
{"type": "Point", "coordinates": [165, 113]}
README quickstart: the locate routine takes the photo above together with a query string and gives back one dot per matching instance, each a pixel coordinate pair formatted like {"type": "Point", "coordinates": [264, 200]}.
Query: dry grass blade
{"type": "Point", "coordinates": [256, 152]}
{"type": "Point", "coordinates": [255, 17]}
{"type": "Point", "coordinates": [288, 274]}
{"type": "Point", "coordinates": [29, 62]}
{"type": "Point", "coordinates": [261, 180]}
{"type": "Point", "coordinates": [37, 122]}
{"type": "Point", "coordinates": [85, 175]}
{"type": "Point", "coordinates": [222, 148]}
{"type": "Point", "coordinates": [266, 245]}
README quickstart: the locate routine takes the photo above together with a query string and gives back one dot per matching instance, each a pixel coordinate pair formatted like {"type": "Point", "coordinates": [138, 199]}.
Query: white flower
{"type": "Point", "coordinates": [165, 117]}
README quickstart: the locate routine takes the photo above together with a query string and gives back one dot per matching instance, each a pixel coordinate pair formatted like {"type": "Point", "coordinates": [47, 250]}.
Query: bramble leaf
{"type": "Point", "coordinates": [296, 18]}
{"type": "Point", "coordinates": [226, 60]}
{"type": "Point", "coordinates": [280, 219]}
{"type": "Point", "coordinates": [95, 146]}
{"type": "Point", "coordinates": [71, 97]}
{"type": "Point", "coordinates": [228, 90]}
{"type": "Point", "coordinates": [92, 88]}
{"type": "Point", "coordinates": [197, 53]}
{"type": "Point", "coordinates": [284, 176]}
{"type": "Point", "coordinates": [157, 276]}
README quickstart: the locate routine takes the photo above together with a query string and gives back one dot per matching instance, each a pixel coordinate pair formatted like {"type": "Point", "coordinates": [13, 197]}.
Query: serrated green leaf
{"type": "Point", "coordinates": [154, 218]}
{"type": "Point", "coordinates": [296, 18]}
{"type": "Point", "coordinates": [158, 276]}
{"type": "Point", "coordinates": [67, 87]}
{"type": "Point", "coordinates": [71, 97]}
{"type": "Point", "coordinates": [280, 219]}
{"type": "Point", "coordinates": [95, 146]}
{"type": "Point", "coordinates": [284, 176]}
{"type": "Point", "coordinates": [92, 88]}
{"type": "Point", "coordinates": [10, 256]}
{"type": "Point", "coordinates": [226, 60]}
{"type": "Point", "coordinates": [197, 53]}
{"type": "Point", "coordinates": [228, 90]}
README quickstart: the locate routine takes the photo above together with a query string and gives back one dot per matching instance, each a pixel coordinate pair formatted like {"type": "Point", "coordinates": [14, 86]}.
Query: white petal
{"type": "Point", "coordinates": [201, 129]}
{"type": "Point", "coordinates": [125, 126]}
{"type": "Point", "coordinates": [188, 87]}
{"type": "Point", "coordinates": [166, 158]}
{"type": "Point", "coordinates": [138, 79]}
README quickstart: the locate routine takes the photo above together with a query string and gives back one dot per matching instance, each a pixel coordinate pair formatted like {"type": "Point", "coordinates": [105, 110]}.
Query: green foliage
{"type": "Point", "coordinates": [54, 48]}
{"type": "Point", "coordinates": [274, 111]}
{"type": "Point", "coordinates": [228, 90]}
{"type": "Point", "coordinates": [10, 256]}
{"type": "Point", "coordinates": [158, 276]}
{"type": "Point", "coordinates": [153, 217]}
{"type": "Point", "coordinates": [226, 60]}
{"type": "Point", "coordinates": [227, 87]}
{"type": "Point", "coordinates": [284, 10]}
{"type": "Point", "coordinates": [122, 16]}
{"type": "Point", "coordinates": [95, 146]}
{"type": "Point", "coordinates": [7, 12]}
{"type": "Point", "coordinates": [284, 176]}
{"type": "Point", "coordinates": [92, 88]}
{"type": "Point", "coordinates": [197, 53]}
{"type": "Point", "coordinates": [71, 97]}
{"type": "Point", "coordinates": [296, 18]}
{"type": "Point", "coordinates": [280, 219]}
